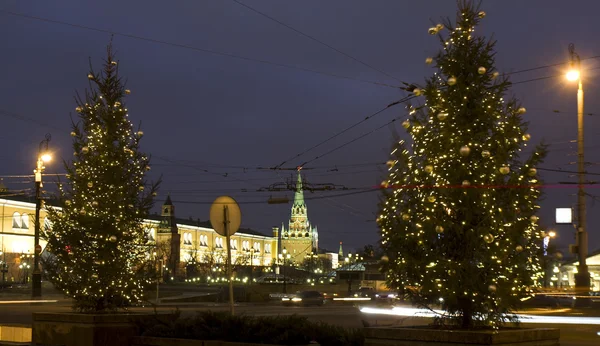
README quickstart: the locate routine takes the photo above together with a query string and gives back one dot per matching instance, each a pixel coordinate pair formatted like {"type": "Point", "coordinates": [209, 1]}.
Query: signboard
{"type": "Point", "coordinates": [564, 216]}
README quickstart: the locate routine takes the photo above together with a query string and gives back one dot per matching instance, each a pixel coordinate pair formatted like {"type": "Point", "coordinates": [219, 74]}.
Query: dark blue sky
{"type": "Point", "coordinates": [205, 112]}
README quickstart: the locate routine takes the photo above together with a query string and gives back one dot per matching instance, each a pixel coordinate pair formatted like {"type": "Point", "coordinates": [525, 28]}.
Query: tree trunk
{"type": "Point", "coordinates": [466, 306]}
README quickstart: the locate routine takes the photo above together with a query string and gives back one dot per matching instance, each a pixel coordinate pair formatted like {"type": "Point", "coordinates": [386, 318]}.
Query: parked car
{"type": "Point", "coordinates": [304, 298]}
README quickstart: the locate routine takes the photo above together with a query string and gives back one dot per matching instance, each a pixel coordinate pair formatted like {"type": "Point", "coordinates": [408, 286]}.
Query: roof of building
{"type": "Point", "coordinates": [190, 222]}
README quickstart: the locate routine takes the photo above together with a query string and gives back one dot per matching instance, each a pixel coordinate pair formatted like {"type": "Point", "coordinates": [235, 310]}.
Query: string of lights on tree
{"type": "Point", "coordinates": [96, 240]}
{"type": "Point", "coordinates": [472, 249]}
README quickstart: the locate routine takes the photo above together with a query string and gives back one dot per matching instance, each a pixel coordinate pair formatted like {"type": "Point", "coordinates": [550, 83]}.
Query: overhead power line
{"type": "Point", "coordinates": [344, 131]}
{"type": "Point", "coordinates": [314, 39]}
{"type": "Point", "coordinates": [204, 50]}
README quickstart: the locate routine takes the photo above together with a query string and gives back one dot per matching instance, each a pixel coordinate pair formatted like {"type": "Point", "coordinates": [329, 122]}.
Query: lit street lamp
{"type": "Point", "coordinates": [582, 278]}
{"type": "Point", "coordinates": [284, 257]}
{"type": "Point", "coordinates": [43, 157]}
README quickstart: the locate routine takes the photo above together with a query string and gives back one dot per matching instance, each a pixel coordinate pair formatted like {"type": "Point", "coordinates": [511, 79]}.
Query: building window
{"type": "Point", "coordinates": [219, 243]}
{"type": "Point", "coordinates": [16, 220]}
{"type": "Point", "coordinates": [47, 224]}
{"type": "Point", "coordinates": [150, 234]}
{"type": "Point", "coordinates": [203, 240]}
{"type": "Point", "coordinates": [25, 221]}
{"type": "Point", "coordinates": [267, 248]}
{"type": "Point", "coordinates": [233, 244]}
{"type": "Point", "coordinates": [256, 247]}
{"type": "Point", "coordinates": [187, 238]}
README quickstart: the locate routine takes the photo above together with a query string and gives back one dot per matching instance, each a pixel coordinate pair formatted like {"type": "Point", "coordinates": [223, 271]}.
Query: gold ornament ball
{"type": "Point", "coordinates": [130, 206]}
{"type": "Point", "coordinates": [428, 169]}
{"type": "Point", "coordinates": [117, 104]}
{"type": "Point", "coordinates": [78, 171]}
{"type": "Point", "coordinates": [488, 238]}
{"type": "Point", "coordinates": [481, 14]}
{"type": "Point", "coordinates": [451, 80]}
{"type": "Point", "coordinates": [147, 168]}
{"type": "Point", "coordinates": [406, 124]}
{"type": "Point", "coordinates": [113, 62]}
{"type": "Point", "coordinates": [504, 170]}
{"type": "Point", "coordinates": [67, 202]}
{"type": "Point", "coordinates": [439, 27]}
{"type": "Point", "coordinates": [85, 150]}
{"type": "Point", "coordinates": [481, 70]}
{"type": "Point", "coordinates": [385, 184]}
{"type": "Point", "coordinates": [127, 91]}
{"type": "Point", "coordinates": [73, 134]}
{"type": "Point", "coordinates": [439, 229]}
{"type": "Point", "coordinates": [432, 31]}
{"type": "Point", "coordinates": [90, 76]}
{"type": "Point", "coordinates": [405, 217]}
{"type": "Point", "coordinates": [495, 74]}
{"type": "Point", "coordinates": [534, 218]}
{"type": "Point", "coordinates": [385, 258]}
{"type": "Point", "coordinates": [526, 137]}
{"type": "Point", "coordinates": [390, 163]}
{"type": "Point", "coordinates": [431, 199]}
{"type": "Point", "coordinates": [429, 60]}
{"type": "Point", "coordinates": [442, 116]}
{"type": "Point", "coordinates": [113, 238]}
{"type": "Point", "coordinates": [532, 172]}
{"type": "Point", "coordinates": [82, 212]}
{"type": "Point", "coordinates": [90, 184]}
{"type": "Point", "coordinates": [519, 248]}
{"type": "Point", "coordinates": [140, 133]}
{"type": "Point", "coordinates": [485, 153]}
{"type": "Point", "coordinates": [417, 92]}
{"type": "Point", "coordinates": [522, 110]}
{"type": "Point", "coordinates": [492, 288]}
{"type": "Point", "coordinates": [94, 204]}
{"type": "Point", "coordinates": [141, 188]}
{"type": "Point", "coordinates": [154, 194]}
{"type": "Point", "coordinates": [466, 183]}
{"type": "Point", "coordinates": [465, 150]}
{"type": "Point", "coordinates": [78, 109]}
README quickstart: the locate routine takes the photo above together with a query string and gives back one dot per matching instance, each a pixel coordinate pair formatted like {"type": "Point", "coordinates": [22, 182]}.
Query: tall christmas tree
{"type": "Point", "coordinates": [457, 218]}
{"type": "Point", "coordinates": [97, 239]}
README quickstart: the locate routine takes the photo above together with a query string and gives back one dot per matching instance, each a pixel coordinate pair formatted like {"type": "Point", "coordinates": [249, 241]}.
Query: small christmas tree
{"type": "Point", "coordinates": [457, 219]}
{"type": "Point", "coordinates": [97, 239]}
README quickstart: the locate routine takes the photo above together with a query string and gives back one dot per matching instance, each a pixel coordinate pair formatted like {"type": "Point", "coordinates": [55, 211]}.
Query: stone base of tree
{"type": "Point", "coordinates": [151, 341]}
{"type": "Point", "coordinates": [429, 336]}
{"type": "Point", "coordinates": [76, 329]}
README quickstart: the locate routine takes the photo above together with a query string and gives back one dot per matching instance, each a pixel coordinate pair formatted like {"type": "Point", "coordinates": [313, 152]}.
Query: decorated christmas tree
{"type": "Point", "coordinates": [96, 238]}
{"type": "Point", "coordinates": [457, 218]}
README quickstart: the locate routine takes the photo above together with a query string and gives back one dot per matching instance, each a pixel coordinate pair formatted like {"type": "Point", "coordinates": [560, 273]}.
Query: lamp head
{"type": "Point", "coordinates": [573, 75]}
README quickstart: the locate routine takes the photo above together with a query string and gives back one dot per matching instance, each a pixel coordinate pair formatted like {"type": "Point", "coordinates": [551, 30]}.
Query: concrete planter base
{"type": "Point", "coordinates": [152, 341]}
{"type": "Point", "coordinates": [427, 336]}
{"type": "Point", "coordinates": [76, 329]}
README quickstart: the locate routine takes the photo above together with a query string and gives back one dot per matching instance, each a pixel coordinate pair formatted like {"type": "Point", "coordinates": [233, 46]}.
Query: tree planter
{"type": "Point", "coordinates": [427, 336]}
{"type": "Point", "coordinates": [75, 329]}
{"type": "Point", "coordinates": [152, 341]}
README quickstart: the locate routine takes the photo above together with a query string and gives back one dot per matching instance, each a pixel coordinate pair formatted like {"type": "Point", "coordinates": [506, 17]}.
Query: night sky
{"type": "Point", "coordinates": [211, 121]}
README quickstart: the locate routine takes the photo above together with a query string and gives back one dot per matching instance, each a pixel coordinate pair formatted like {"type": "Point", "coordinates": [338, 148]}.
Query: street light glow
{"type": "Point", "coordinates": [573, 75]}
{"type": "Point", "coordinates": [46, 157]}
{"type": "Point", "coordinates": [552, 234]}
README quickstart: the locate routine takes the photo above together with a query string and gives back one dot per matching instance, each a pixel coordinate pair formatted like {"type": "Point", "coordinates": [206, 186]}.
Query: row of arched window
{"type": "Point", "coordinates": [294, 235]}
{"type": "Point", "coordinates": [20, 221]}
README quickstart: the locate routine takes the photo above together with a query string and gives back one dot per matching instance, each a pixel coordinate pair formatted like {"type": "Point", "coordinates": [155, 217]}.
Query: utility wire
{"type": "Point", "coordinates": [548, 66]}
{"type": "Point", "coordinates": [314, 39]}
{"type": "Point", "coordinates": [344, 130]}
{"type": "Point", "coordinates": [349, 142]}
{"type": "Point", "coordinates": [204, 50]}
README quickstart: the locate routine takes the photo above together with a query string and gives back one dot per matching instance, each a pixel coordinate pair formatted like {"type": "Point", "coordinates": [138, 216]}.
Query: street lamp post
{"type": "Point", "coordinates": [251, 265]}
{"type": "Point", "coordinates": [43, 156]}
{"type": "Point", "coordinates": [582, 278]}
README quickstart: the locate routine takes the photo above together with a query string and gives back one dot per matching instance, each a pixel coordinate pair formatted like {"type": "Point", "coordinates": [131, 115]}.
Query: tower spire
{"type": "Point", "coordinates": [299, 194]}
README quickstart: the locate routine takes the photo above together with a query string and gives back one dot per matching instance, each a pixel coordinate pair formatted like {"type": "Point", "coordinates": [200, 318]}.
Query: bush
{"type": "Point", "coordinates": [280, 330]}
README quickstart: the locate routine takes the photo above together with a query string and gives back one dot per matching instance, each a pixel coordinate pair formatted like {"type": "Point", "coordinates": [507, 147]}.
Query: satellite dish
{"type": "Point", "coordinates": [225, 211]}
